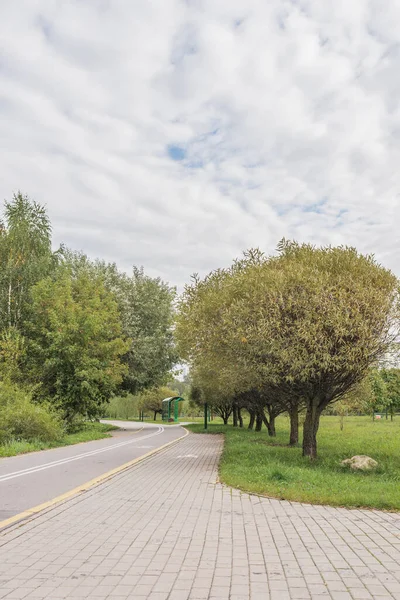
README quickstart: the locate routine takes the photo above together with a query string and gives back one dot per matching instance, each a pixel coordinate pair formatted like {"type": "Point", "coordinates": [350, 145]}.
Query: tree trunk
{"type": "Point", "coordinates": [240, 418]}
{"type": "Point", "coordinates": [9, 304]}
{"type": "Point", "coordinates": [270, 425]}
{"type": "Point", "coordinates": [271, 428]}
{"type": "Point", "coordinates": [252, 419]}
{"type": "Point", "coordinates": [235, 416]}
{"type": "Point", "coordinates": [155, 415]}
{"type": "Point", "coordinates": [310, 429]}
{"type": "Point", "coordinates": [294, 426]}
{"type": "Point", "coordinates": [386, 413]}
{"type": "Point", "coordinates": [225, 418]}
{"type": "Point", "coordinates": [259, 421]}
{"type": "Point", "coordinates": [341, 422]}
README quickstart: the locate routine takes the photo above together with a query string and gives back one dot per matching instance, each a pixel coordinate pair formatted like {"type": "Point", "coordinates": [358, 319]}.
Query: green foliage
{"type": "Point", "coordinates": [391, 378]}
{"type": "Point", "coordinates": [12, 351]}
{"type": "Point", "coordinates": [150, 401]}
{"type": "Point", "coordinates": [25, 256]}
{"type": "Point", "coordinates": [146, 310]}
{"type": "Point", "coordinates": [302, 327]}
{"type": "Point", "coordinates": [378, 392]}
{"type": "Point", "coordinates": [147, 317]}
{"type": "Point", "coordinates": [182, 387]}
{"type": "Point", "coordinates": [10, 393]}
{"type": "Point", "coordinates": [376, 399]}
{"type": "Point", "coordinates": [122, 407]}
{"type": "Point", "coordinates": [21, 419]}
{"type": "Point", "coordinates": [75, 330]}
{"type": "Point", "coordinates": [75, 343]}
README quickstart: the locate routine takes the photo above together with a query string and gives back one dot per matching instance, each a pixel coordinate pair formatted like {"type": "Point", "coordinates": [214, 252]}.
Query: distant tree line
{"type": "Point", "coordinates": [377, 394]}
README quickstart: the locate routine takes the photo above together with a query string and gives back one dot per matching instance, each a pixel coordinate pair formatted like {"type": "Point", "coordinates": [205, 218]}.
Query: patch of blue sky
{"type": "Point", "coordinates": [339, 218]}
{"type": "Point", "coordinates": [195, 164]}
{"type": "Point", "coordinates": [317, 207]}
{"type": "Point", "coordinates": [207, 135]}
{"type": "Point", "coordinates": [238, 22]}
{"type": "Point", "coordinates": [176, 153]}
{"type": "Point", "coordinates": [283, 209]}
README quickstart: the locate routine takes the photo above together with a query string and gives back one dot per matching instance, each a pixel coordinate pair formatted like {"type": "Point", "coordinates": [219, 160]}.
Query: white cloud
{"type": "Point", "coordinates": [287, 113]}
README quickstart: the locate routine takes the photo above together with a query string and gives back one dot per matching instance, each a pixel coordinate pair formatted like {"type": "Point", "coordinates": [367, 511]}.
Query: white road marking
{"type": "Point", "coordinates": [63, 461]}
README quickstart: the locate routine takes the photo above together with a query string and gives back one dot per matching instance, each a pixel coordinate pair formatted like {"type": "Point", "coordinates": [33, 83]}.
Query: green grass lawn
{"type": "Point", "coordinates": [88, 432]}
{"type": "Point", "coordinates": [256, 463]}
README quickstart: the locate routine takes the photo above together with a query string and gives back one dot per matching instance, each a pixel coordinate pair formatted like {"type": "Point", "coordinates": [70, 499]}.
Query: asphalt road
{"type": "Point", "coordinates": [31, 479]}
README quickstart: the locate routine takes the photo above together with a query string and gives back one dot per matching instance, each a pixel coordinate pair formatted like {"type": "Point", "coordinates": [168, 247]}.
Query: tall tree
{"type": "Point", "coordinates": [308, 323]}
{"type": "Point", "coordinates": [146, 307]}
{"type": "Point", "coordinates": [391, 377]}
{"type": "Point", "coordinates": [25, 255]}
{"type": "Point", "coordinates": [75, 343]}
{"type": "Point", "coordinates": [212, 336]}
{"type": "Point", "coordinates": [147, 320]}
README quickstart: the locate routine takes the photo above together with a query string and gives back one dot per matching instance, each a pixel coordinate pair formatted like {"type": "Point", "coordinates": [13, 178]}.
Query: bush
{"type": "Point", "coordinates": [74, 424]}
{"type": "Point", "coordinates": [21, 419]}
{"type": "Point", "coordinates": [11, 393]}
{"type": "Point", "coordinates": [122, 407]}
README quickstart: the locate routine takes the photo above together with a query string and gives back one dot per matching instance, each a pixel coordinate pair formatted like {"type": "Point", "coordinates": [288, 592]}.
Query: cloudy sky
{"type": "Point", "coordinates": [174, 134]}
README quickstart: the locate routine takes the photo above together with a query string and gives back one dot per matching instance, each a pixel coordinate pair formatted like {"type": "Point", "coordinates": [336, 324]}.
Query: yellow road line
{"type": "Point", "coordinates": [85, 486]}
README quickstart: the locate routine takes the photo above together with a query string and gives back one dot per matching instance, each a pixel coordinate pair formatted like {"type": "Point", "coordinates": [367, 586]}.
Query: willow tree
{"type": "Point", "coordinates": [210, 337]}
{"type": "Point", "coordinates": [213, 384]}
{"type": "Point", "coordinates": [315, 321]}
{"type": "Point", "coordinates": [307, 324]}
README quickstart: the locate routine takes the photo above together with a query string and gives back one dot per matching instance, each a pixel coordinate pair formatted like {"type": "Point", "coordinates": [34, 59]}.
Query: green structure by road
{"type": "Point", "coordinates": [170, 408]}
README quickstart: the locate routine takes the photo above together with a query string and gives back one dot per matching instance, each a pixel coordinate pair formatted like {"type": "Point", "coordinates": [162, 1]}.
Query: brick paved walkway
{"type": "Point", "coordinates": [165, 530]}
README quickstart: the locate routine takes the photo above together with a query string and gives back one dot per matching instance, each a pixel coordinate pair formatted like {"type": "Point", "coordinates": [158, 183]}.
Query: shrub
{"type": "Point", "coordinates": [11, 393]}
{"type": "Point", "coordinates": [21, 419]}
{"type": "Point", "coordinates": [122, 407]}
{"type": "Point", "coordinates": [74, 424]}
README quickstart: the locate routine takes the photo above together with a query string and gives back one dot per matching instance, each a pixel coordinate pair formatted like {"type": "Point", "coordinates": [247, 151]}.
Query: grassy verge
{"type": "Point", "coordinates": [88, 433]}
{"type": "Point", "coordinates": [256, 463]}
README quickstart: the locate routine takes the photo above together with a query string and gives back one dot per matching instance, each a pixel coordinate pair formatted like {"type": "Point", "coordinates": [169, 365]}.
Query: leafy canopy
{"type": "Point", "coordinates": [76, 343]}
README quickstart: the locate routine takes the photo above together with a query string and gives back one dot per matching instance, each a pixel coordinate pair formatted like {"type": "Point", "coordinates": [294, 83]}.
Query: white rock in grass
{"type": "Point", "coordinates": [360, 463]}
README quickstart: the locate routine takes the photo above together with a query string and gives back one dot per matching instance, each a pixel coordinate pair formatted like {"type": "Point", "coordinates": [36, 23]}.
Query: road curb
{"type": "Point", "coordinates": [24, 516]}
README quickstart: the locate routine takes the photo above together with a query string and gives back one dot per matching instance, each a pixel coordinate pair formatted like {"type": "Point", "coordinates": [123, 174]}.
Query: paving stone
{"type": "Point", "coordinates": [166, 530]}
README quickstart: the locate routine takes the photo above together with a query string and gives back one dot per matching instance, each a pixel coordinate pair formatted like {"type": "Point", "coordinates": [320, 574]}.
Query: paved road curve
{"type": "Point", "coordinates": [167, 530]}
{"type": "Point", "coordinates": [31, 479]}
